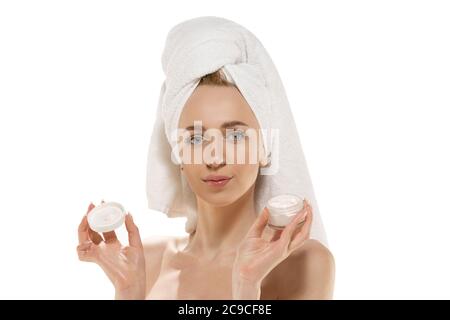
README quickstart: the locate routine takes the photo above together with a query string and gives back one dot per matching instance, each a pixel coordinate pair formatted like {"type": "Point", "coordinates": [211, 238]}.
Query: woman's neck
{"type": "Point", "coordinates": [220, 230]}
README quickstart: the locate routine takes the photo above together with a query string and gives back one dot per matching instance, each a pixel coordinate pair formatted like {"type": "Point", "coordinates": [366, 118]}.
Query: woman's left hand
{"type": "Point", "coordinates": [256, 257]}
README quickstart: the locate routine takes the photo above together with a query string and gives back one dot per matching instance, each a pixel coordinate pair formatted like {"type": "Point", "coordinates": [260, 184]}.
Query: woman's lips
{"type": "Point", "coordinates": [216, 181]}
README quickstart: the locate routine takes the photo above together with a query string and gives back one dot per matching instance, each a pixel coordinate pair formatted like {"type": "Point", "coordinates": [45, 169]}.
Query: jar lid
{"type": "Point", "coordinates": [285, 204]}
{"type": "Point", "coordinates": [106, 217]}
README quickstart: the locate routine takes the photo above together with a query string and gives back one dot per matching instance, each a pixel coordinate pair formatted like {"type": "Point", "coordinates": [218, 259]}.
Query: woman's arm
{"type": "Point", "coordinates": [308, 273]}
{"type": "Point", "coordinates": [123, 264]}
{"type": "Point", "coordinates": [308, 266]}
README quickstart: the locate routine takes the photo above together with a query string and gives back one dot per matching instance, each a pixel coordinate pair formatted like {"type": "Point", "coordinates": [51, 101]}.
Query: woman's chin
{"type": "Point", "coordinates": [219, 199]}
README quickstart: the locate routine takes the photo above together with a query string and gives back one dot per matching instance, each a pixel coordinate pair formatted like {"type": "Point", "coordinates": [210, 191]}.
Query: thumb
{"type": "Point", "coordinates": [134, 238]}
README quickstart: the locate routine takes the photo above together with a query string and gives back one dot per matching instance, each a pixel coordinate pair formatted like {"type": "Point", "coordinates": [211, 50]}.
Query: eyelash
{"type": "Point", "coordinates": [243, 135]}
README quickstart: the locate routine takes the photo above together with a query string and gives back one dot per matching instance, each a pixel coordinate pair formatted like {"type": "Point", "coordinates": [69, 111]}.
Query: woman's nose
{"type": "Point", "coordinates": [215, 162]}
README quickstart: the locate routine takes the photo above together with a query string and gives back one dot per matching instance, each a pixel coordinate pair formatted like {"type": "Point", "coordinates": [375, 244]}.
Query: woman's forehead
{"type": "Point", "coordinates": [215, 106]}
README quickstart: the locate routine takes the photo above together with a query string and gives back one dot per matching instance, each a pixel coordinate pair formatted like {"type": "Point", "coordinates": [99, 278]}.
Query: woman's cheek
{"type": "Point", "coordinates": [245, 178]}
{"type": "Point", "coordinates": [193, 179]}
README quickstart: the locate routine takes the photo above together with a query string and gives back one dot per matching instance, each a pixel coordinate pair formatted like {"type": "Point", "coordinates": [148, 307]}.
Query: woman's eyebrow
{"type": "Point", "coordinates": [192, 127]}
{"type": "Point", "coordinates": [224, 125]}
{"type": "Point", "coordinates": [233, 123]}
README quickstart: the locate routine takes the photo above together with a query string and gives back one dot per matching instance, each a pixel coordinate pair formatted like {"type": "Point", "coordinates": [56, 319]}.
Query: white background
{"type": "Point", "coordinates": [368, 82]}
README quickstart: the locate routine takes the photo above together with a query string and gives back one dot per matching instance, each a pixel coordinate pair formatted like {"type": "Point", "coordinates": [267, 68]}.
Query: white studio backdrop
{"type": "Point", "coordinates": [369, 85]}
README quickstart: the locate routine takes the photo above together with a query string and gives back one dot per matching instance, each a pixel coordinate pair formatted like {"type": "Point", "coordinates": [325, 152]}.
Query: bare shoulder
{"type": "Point", "coordinates": [313, 251]}
{"type": "Point", "coordinates": [155, 245]}
{"type": "Point", "coordinates": [308, 273]}
{"type": "Point", "coordinates": [155, 249]}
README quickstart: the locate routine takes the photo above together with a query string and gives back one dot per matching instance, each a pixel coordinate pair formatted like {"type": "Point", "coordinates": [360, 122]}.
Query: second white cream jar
{"type": "Point", "coordinates": [283, 208]}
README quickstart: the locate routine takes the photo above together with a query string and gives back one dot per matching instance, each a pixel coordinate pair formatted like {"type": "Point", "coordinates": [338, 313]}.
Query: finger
{"type": "Point", "coordinates": [110, 236]}
{"type": "Point", "coordinates": [276, 235]}
{"type": "Point", "coordinates": [83, 227]}
{"type": "Point", "coordinates": [134, 238]}
{"type": "Point", "coordinates": [87, 251]}
{"type": "Point", "coordinates": [299, 238]}
{"type": "Point", "coordinates": [290, 228]}
{"type": "Point", "coordinates": [94, 236]}
{"type": "Point", "coordinates": [83, 230]}
{"type": "Point", "coordinates": [258, 226]}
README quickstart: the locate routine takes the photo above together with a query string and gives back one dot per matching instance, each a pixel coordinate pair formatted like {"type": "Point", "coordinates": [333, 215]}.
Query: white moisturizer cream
{"type": "Point", "coordinates": [106, 217]}
{"type": "Point", "coordinates": [282, 209]}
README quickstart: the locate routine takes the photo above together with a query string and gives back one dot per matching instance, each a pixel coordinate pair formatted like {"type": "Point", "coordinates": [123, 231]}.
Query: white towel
{"type": "Point", "coordinates": [202, 45]}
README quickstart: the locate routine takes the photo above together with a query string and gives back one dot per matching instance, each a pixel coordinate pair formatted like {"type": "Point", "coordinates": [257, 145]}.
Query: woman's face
{"type": "Point", "coordinates": [225, 117]}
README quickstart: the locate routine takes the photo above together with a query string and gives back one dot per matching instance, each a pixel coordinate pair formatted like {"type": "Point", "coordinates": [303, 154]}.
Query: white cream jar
{"type": "Point", "coordinates": [106, 217]}
{"type": "Point", "coordinates": [282, 209]}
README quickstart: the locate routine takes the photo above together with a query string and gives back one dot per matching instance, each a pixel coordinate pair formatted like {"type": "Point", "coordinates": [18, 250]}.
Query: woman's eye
{"type": "Point", "coordinates": [236, 136]}
{"type": "Point", "coordinates": [195, 139]}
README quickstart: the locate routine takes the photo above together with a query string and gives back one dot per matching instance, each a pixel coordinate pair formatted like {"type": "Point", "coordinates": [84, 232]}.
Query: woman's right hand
{"type": "Point", "coordinates": [124, 265]}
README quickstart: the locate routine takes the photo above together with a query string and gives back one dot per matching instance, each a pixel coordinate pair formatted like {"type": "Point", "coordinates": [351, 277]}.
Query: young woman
{"type": "Point", "coordinates": [232, 254]}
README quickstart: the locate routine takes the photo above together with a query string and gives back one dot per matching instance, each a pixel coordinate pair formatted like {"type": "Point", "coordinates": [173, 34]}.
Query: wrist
{"type": "Point", "coordinates": [130, 293]}
{"type": "Point", "coordinates": [244, 289]}
{"type": "Point", "coordinates": [246, 275]}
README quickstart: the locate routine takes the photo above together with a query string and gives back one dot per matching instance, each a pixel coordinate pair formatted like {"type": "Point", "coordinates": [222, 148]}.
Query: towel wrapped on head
{"type": "Point", "coordinates": [195, 48]}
